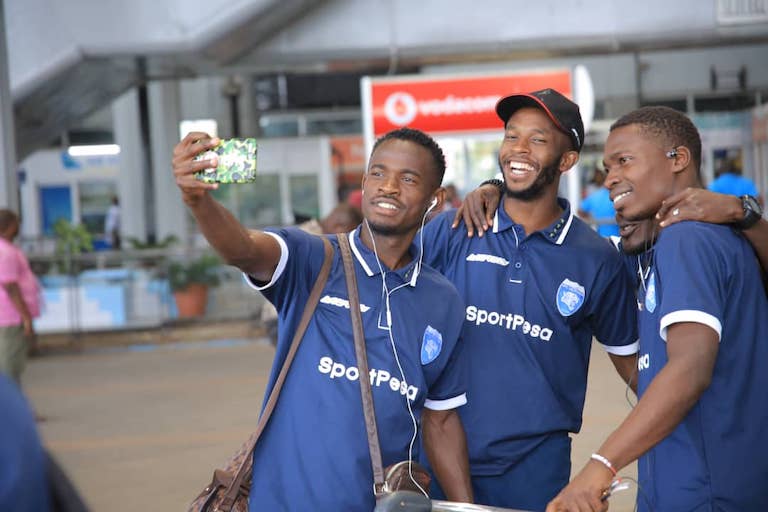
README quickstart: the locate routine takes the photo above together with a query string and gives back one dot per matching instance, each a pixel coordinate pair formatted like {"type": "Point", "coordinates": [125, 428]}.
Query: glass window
{"type": "Point", "coordinates": [271, 127]}
{"type": "Point", "coordinates": [469, 161]}
{"type": "Point", "coordinates": [255, 204]}
{"type": "Point", "coordinates": [304, 196]}
{"type": "Point", "coordinates": [334, 126]}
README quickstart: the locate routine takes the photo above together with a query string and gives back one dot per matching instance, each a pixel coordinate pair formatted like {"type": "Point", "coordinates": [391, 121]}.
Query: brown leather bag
{"type": "Point", "coordinates": [405, 475]}
{"type": "Point", "coordinates": [230, 487]}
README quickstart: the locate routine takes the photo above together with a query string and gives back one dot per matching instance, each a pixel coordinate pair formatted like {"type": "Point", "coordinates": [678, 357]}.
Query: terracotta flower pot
{"type": "Point", "coordinates": [191, 301]}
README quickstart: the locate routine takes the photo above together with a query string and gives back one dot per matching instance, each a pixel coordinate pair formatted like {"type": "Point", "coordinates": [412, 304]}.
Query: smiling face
{"type": "Point", "coordinates": [640, 174]}
{"type": "Point", "coordinates": [397, 188]}
{"type": "Point", "coordinates": [533, 154]}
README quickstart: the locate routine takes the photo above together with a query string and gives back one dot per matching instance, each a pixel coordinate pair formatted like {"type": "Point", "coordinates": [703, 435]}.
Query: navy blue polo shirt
{"type": "Point", "coordinates": [717, 458]}
{"type": "Point", "coordinates": [24, 485]}
{"type": "Point", "coordinates": [314, 455]}
{"type": "Point", "coordinates": [533, 303]}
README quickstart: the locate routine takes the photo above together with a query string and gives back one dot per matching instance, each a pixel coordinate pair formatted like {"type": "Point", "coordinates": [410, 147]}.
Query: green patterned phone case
{"type": "Point", "coordinates": [237, 162]}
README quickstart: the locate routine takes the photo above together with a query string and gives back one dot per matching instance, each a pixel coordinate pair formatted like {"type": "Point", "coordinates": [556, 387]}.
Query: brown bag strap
{"type": "Point", "coordinates": [309, 309]}
{"type": "Point", "coordinates": [362, 365]}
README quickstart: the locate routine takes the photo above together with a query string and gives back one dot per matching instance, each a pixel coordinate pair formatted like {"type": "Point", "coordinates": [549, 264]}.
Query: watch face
{"type": "Point", "coordinates": [750, 203]}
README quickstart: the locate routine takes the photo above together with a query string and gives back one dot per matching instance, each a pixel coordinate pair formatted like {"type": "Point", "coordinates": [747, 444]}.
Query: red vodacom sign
{"type": "Point", "coordinates": [439, 104]}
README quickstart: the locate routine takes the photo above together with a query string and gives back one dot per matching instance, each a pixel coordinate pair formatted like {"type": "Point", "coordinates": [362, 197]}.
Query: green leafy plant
{"type": "Point", "coordinates": [71, 240]}
{"type": "Point", "coordinates": [166, 242]}
{"type": "Point", "coordinates": [202, 270]}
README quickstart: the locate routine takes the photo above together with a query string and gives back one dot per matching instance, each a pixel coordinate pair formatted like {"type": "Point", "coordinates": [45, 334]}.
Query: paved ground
{"type": "Point", "coordinates": [142, 428]}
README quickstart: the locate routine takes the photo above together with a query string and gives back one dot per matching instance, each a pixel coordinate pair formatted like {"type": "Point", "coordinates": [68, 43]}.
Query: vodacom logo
{"type": "Point", "coordinates": [400, 108]}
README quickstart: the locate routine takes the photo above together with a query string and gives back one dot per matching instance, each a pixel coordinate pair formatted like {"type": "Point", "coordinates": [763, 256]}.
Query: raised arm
{"type": "Point", "coordinates": [707, 206]}
{"type": "Point", "coordinates": [253, 252]}
{"type": "Point", "coordinates": [479, 206]}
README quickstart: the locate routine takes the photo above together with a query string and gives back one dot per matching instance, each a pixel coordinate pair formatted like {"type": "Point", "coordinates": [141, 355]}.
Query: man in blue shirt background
{"type": "Point", "coordinates": [313, 454]}
{"type": "Point", "coordinates": [538, 286]}
{"type": "Point", "coordinates": [730, 181]}
{"type": "Point", "coordinates": [700, 427]}
{"type": "Point", "coordinates": [597, 207]}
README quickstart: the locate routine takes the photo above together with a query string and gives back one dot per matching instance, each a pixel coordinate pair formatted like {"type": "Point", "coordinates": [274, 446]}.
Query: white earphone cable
{"type": "Point", "coordinates": [386, 292]}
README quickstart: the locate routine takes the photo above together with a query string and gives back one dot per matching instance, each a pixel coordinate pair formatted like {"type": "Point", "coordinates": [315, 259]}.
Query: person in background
{"type": "Point", "coordinates": [355, 199]}
{"type": "Point", "coordinates": [112, 224]}
{"type": "Point", "coordinates": [452, 199]}
{"type": "Point", "coordinates": [597, 207]}
{"type": "Point", "coordinates": [342, 219]}
{"type": "Point", "coordinates": [19, 300]}
{"type": "Point", "coordinates": [728, 180]}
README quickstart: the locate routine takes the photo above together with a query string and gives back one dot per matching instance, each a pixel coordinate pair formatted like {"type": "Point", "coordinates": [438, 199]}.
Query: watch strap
{"type": "Point", "coordinates": [752, 212]}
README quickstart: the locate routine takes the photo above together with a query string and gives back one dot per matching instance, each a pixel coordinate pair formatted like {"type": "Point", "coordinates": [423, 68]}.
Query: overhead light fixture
{"type": "Point", "coordinates": [94, 150]}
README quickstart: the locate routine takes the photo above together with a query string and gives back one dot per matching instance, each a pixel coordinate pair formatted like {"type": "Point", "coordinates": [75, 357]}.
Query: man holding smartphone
{"type": "Point", "coordinates": [314, 454]}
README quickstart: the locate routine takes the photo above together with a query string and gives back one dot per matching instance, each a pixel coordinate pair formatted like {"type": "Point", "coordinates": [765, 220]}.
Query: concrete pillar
{"type": "Point", "coordinates": [249, 121]}
{"type": "Point", "coordinates": [9, 182]}
{"type": "Point", "coordinates": [164, 117]}
{"type": "Point", "coordinates": [127, 130]}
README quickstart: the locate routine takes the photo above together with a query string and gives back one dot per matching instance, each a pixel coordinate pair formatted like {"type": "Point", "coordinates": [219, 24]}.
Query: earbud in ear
{"type": "Point", "coordinates": [672, 153]}
{"type": "Point", "coordinates": [431, 206]}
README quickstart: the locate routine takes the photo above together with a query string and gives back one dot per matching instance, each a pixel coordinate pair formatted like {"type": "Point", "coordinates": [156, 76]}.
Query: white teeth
{"type": "Point", "coordinates": [388, 206]}
{"type": "Point", "coordinates": [520, 167]}
{"type": "Point", "coordinates": [620, 197]}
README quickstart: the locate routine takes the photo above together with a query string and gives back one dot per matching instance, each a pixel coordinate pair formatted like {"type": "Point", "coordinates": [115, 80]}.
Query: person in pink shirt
{"type": "Point", "coordinates": [19, 300]}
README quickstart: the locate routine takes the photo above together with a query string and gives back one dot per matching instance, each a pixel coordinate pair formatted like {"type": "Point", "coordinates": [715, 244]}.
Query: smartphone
{"type": "Point", "coordinates": [237, 162]}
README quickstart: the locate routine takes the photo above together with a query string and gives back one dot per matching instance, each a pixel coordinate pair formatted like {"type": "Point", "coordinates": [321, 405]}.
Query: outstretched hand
{"type": "Point", "coordinates": [184, 166]}
{"type": "Point", "coordinates": [585, 492]}
{"type": "Point", "coordinates": [701, 205]}
{"type": "Point", "coordinates": [478, 209]}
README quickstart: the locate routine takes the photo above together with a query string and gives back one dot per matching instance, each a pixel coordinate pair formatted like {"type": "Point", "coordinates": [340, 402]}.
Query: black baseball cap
{"type": "Point", "coordinates": [562, 111]}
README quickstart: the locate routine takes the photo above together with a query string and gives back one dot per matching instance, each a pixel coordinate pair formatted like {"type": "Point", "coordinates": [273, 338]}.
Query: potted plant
{"type": "Point", "coordinates": [189, 281]}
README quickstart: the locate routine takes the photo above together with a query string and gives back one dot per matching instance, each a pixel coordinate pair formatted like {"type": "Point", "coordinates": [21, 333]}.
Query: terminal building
{"type": "Point", "coordinates": [94, 95]}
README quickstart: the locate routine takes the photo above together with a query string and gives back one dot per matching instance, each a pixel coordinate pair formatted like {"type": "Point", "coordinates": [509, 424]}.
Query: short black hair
{"type": "Point", "coordinates": [7, 218]}
{"type": "Point", "coordinates": [423, 140]}
{"type": "Point", "coordinates": [669, 126]}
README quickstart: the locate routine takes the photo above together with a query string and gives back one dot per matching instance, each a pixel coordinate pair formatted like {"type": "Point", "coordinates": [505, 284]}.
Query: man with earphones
{"type": "Point", "coordinates": [314, 454]}
{"type": "Point", "coordinates": [700, 426]}
{"type": "Point", "coordinates": [538, 286]}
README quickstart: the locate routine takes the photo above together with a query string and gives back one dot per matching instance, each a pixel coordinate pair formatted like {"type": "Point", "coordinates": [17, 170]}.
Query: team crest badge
{"type": "Point", "coordinates": [650, 294]}
{"type": "Point", "coordinates": [431, 345]}
{"type": "Point", "coordinates": [570, 297]}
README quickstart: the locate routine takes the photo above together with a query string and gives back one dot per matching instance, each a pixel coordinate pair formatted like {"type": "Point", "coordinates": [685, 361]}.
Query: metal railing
{"type": "Point", "coordinates": [407, 501]}
{"type": "Point", "coordinates": [126, 289]}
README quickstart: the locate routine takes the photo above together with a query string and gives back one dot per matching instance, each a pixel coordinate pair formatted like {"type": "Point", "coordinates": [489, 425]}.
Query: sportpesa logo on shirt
{"type": "Point", "coordinates": [336, 370]}
{"type": "Point", "coordinates": [488, 258]}
{"type": "Point", "coordinates": [509, 321]}
{"type": "Point", "coordinates": [341, 303]}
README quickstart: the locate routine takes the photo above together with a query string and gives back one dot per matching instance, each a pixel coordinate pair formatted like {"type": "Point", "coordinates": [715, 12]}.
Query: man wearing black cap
{"type": "Point", "coordinates": [537, 288]}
